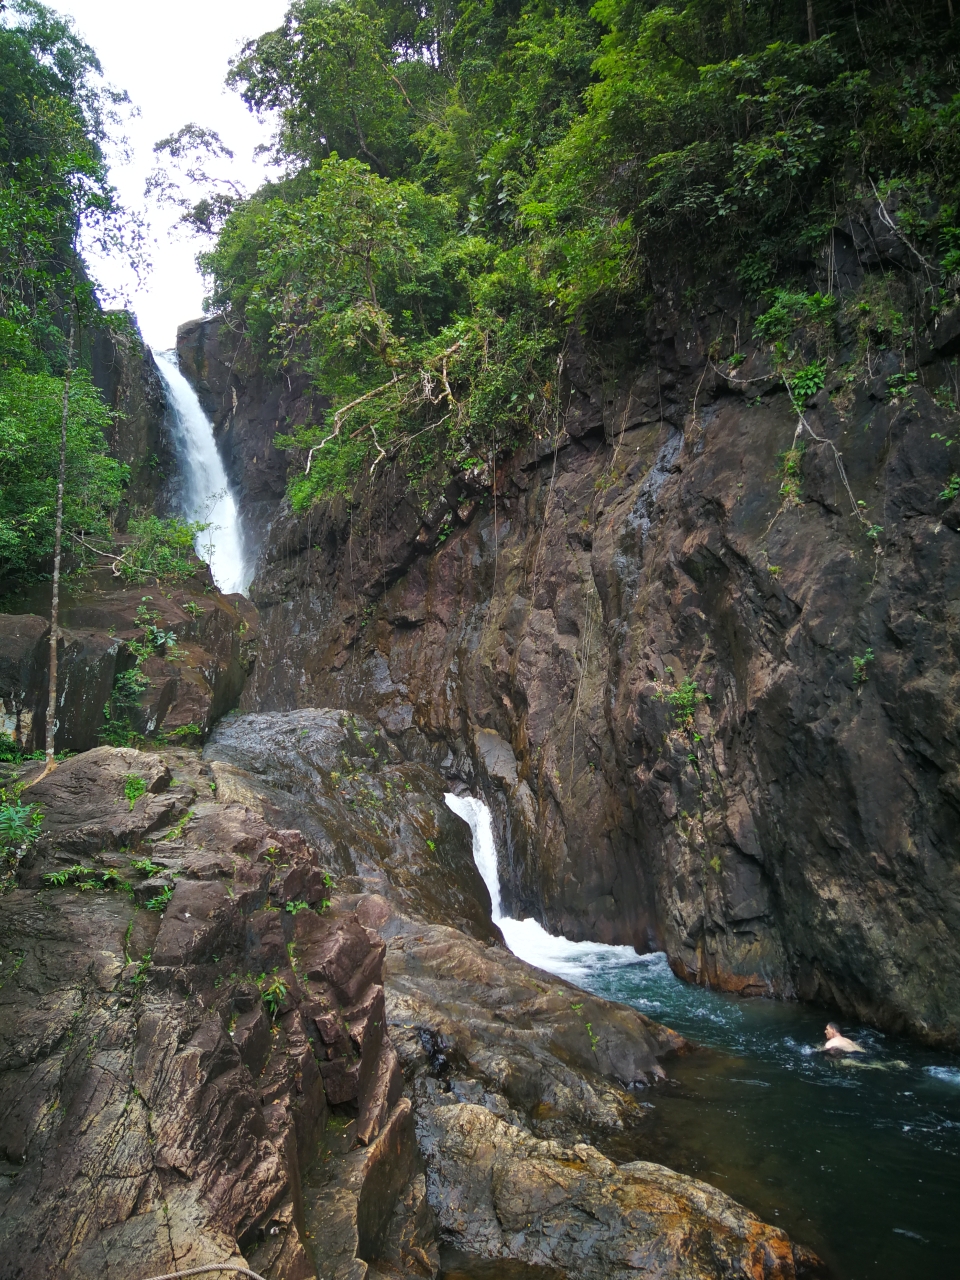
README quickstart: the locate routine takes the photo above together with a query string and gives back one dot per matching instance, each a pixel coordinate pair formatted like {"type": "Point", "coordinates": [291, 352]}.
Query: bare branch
{"type": "Point", "coordinates": [340, 414]}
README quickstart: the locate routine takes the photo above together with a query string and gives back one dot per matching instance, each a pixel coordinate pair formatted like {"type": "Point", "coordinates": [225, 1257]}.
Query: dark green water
{"type": "Point", "coordinates": [859, 1162]}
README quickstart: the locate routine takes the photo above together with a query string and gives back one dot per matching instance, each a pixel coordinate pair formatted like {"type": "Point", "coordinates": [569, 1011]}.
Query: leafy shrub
{"type": "Point", "coordinates": [807, 381]}
{"type": "Point", "coordinates": [860, 665]}
{"type": "Point", "coordinates": [134, 787]}
{"type": "Point", "coordinates": [789, 311]}
{"type": "Point", "coordinates": [161, 548]}
{"type": "Point", "coordinates": [19, 825]}
{"type": "Point", "coordinates": [274, 991]}
{"type": "Point", "coordinates": [684, 700]}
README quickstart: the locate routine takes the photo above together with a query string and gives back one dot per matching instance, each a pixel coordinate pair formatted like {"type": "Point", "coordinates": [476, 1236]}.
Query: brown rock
{"type": "Point", "coordinates": [197, 923]}
{"type": "Point", "coordinates": [500, 1193]}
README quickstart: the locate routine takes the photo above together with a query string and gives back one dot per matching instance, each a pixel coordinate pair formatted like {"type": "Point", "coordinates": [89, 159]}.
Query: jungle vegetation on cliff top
{"type": "Point", "coordinates": [470, 181]}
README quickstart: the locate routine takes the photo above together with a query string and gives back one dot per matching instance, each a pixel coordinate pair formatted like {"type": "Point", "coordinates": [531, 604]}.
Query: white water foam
{"type": "Point", "coordinates": [948, 1075]}
{"type": "Point", "coordinates": [528, 939]}
{"type": "Point", "coordinates": [206, 492]}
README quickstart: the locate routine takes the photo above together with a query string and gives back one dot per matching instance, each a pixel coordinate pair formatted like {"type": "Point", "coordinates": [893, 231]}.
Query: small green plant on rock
{"type": "Point", "coordinates": [860, 664]}
{"type": "Point", "coordinates": [790, 472]}
{"type": "Point", "coordinates": [952, 490]}
{"type": "Point", "coordinates": [274, 994]}
{"type": "Point", "coordinates": [187, 733]}
{"type": "Point", "coordinates": [143, 968]}
{"type": "Point", "coordinates": [902, 384]}
{"type": "Point", "coordinates": [19, 824]}
{"type": "Point", "coordinates": [161, 901]}
{"type": "Point", "coordinates": [177, 830]}
{"type": "Point", "coordinates": [791, 311]}
{"type": "Point", "coordinates": [684, 701]}
{"type": "Point", "coordinates": [134, 787]}
{"type": "Point", "coordinates": [85, 879]}
{"type": "Point", "coordinates": [806, 382]}
{"type": "Point", "coordinates": [145, 867]}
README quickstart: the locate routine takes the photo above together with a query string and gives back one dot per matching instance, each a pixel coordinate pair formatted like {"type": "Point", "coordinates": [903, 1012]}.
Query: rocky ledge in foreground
{"type": "Point", "coordinates": [208, 1053]}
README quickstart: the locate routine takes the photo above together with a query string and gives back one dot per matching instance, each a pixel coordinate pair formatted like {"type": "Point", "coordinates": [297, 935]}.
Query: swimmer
{"type": "Point", "coordinates": [836, 1042]}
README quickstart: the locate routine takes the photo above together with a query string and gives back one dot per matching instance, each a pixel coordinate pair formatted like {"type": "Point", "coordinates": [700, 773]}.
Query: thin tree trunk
{"type": "Point", "coordinates": [51, 720]}
{"type": "Point", "coordinates": [811, 25]}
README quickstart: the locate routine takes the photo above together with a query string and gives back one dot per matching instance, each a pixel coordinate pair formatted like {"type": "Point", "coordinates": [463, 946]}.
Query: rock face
{"type": "Point", "coordinates": [247, 410]}
{"type": "Point", "coordinates": [709, 718]}
{"type": "Point", "coordinates": [125, 372]}
{"type": "Point", "coordinates": [155, 1090]}
{"type": "Point", "coordinates": [185, 687]}
{"type": "Point", "coordinates": [503, 1194]}
{"type": "Point", "coordinates": [210, 1051]}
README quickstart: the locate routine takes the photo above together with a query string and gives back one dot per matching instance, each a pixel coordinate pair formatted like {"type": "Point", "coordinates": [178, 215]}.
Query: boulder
{"type": "Point", "coordinates": [500, 1193]}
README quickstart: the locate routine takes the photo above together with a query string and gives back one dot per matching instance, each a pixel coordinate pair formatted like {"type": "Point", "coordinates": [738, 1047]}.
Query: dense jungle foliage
{"type": "Point", "coordinates": [53, 180]}
{"type": "Point", "coordinates": [471, 181]}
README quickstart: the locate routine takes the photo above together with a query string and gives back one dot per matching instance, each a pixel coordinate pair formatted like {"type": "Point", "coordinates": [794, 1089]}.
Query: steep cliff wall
{"type": "Point", "coordinates": [124, 370]}
{"type": "Point", "coordinates": [711, 718]}
{"type": "Point", "coordinates": [248, 408]}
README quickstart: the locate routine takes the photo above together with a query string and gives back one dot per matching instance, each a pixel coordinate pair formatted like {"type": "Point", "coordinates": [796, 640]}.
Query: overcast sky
{"type": "Point", "coordinates": [172, 60]}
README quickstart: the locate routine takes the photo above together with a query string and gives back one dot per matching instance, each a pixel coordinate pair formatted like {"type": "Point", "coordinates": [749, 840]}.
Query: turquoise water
{"type": "Point", "coordinates": [859, 1162]}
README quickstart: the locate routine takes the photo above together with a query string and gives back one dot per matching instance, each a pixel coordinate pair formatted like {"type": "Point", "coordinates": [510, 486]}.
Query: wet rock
{"type": "Point", "coordinates": [24, 647]}
{"type": "Point", "coordinates": [124, 371]}
{"type": "Point", "coordinates": [190, 685]}
{"type": "Point", "coordinates": [377, 816]}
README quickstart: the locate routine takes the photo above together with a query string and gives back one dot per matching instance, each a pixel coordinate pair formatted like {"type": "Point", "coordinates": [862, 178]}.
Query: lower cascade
{"type": "Point", "coordinates": [206, 497]}
{"type": "Point", "coordinates": [858, 1157]}
{"type": "Point", "coordinates": [527, 938]}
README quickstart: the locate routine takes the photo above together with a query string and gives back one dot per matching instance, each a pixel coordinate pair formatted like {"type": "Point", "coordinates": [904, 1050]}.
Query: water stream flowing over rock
{"type": "Point", "coordinates": [205, 493]}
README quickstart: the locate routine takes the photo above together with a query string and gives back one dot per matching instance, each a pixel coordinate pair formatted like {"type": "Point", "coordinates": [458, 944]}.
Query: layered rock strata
{"type": "Point", "coordinates": [215, 1045]}
{"type": "Point", "coordinates": [714, 714]}
{"type": "Point", "coordinates": [183, 686]}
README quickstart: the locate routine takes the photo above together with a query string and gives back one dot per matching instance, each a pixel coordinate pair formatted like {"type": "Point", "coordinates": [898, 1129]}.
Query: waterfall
{"type": "Point", "coordinates": [528, 939]}
{"type": "Point", "coordinates": [206, 496]}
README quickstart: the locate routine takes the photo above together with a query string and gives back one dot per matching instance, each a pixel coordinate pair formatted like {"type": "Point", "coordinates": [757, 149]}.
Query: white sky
{"type": "Point", "coordinates": [172, 59]}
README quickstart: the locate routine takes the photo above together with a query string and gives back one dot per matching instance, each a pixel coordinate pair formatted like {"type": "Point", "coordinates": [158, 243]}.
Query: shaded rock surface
{"type": "Point", "coordinates": [242, 1072]}
{"type": "Point", "coordinates": [124, 371]}
{"type": "Point", "coordinates": [785, 823]}
{"type": "Point", "coordinates": [193, 681]}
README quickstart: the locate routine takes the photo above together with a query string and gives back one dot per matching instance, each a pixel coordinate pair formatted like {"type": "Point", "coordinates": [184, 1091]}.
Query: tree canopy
{"type": "Point", "coordinates": [470, 179]}
{"type": "Point", "coordinates": [53, 182]}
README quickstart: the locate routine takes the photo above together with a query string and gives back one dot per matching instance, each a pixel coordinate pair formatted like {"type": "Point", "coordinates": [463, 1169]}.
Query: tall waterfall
{"type": "Point", "coordinates": [528, 939]}
{"type": "Point", "coordinates": [206, 495]}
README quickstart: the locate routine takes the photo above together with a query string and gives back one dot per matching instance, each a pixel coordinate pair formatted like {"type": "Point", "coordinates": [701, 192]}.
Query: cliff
{"type": "Point", "coordinates": [123, 369]}
{"type": "Point", "coordinates": [225, 1043]}
{"type": "Point", "coordinates": [714, 713]}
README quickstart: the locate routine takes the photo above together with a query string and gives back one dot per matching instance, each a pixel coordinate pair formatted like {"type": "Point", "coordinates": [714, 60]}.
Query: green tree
{"type": "Point", "coordinates": [31, 413]}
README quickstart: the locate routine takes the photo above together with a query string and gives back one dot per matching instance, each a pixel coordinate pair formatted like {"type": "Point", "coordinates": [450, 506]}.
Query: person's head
{"type": "Point", "coordinates": [832, 1030]}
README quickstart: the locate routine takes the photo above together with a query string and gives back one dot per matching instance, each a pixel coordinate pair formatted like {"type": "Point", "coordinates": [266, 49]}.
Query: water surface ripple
{"type": "Point", "coordinates": [859, 1160]}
